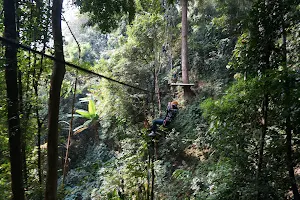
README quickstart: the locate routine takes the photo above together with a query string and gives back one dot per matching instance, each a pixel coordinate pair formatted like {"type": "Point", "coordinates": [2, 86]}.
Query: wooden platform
{"type": "Point", "coordinates": [182, 84]}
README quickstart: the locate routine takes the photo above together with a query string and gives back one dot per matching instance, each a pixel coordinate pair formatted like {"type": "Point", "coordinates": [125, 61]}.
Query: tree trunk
{"type": "Point", "coordinates": [184, 50]}
{"type": "Point", "coordinates": [288, 127]}
{"type": "Point", "coordinates": [153, 95]}
{"type": "Point", "coordinates": [157, 68]}
{"type": "Point", "coordinates": [24, 163]}
{"type": "Point", "coordinates": [152, 172]}
{"type": "Point", "coordinates": [148, 173]}
{"type": "Point", "coordinates": [54, 100]}
{"type": "Point", "coordinates": [13, 101]}
{"type": "Point", "coordinates": [39, 121]}
{"type": "Point", "coordinates": [184, 45]}
{"type": "Point", "coordinates": [289, 158]}
{"type": "Point", "coordinates": [265, 65]}
{"type": "Point", "coordinates": [35, 85]}
{"type": "Point", "coordinates": [262, 144]}
{"type": "Point", "coordinates": [264, 120]}
{"type": "Point", "coordinates": [39, 146]}
{"type": "Point", "coordinates": [39, 129]}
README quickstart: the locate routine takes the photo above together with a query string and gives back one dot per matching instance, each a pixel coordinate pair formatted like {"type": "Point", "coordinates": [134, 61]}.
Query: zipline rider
{"type": "Point", "coordinates": [172, 111]}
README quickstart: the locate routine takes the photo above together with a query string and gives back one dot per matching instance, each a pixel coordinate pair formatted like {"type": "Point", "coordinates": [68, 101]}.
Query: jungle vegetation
{"type": "Point", "coordinates": [81, 82]}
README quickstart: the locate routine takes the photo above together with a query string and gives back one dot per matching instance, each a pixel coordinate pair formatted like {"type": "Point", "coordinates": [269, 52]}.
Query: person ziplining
{"type": "Point", "coordinates": [172, 110]}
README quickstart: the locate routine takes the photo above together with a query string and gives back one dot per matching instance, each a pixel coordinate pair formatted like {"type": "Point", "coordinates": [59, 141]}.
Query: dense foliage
{"type": "Point", "coordinates": [236, 138]}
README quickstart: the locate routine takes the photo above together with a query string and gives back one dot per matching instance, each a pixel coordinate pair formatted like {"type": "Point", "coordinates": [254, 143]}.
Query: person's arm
{"type": "Point", "coordinates": [168, 110]}
{"type": "Point", "coordinates": [169, 106]}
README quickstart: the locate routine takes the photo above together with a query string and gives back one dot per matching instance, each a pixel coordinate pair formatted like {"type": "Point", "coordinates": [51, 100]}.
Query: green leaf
{"type": "Point", "coordinates": [92, 108]}
{"type": "Point", "coordinates": [177, 173]}
{"type": "Point", "coordinates": [84, 114]}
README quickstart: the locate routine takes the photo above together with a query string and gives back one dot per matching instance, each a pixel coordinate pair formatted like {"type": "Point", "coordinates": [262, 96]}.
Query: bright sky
{"type": "Point", "coordinates": [70, 11]}
{"type": "Point", "coordinates": [71, 14]}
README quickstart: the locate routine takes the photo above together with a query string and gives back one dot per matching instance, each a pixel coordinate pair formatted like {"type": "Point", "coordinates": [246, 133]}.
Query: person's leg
{"type": "Point", "coordinates": [155, 123]}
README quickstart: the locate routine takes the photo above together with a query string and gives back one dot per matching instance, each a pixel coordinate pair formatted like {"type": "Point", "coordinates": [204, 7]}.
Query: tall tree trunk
{"type": "Point", "coordinates": [39, 128]}
{"type": "Point", "coordinates": [35, 86]}
{"type": "Point", "coordinates": [289, 158]}
{"type": "Point", "coordinates": [265, 65]}
{"type": "Point", "coordinates": [54, 100]}
{"type": "Point", "coordinates": [264, 120]}
{"type": "Point", "coordinates": [148, 173]}
{"type": "Point", "coordinates": [39, 145]}
{"type": "Point", "coordinates": [153, 94]}
{"type": "Point", "coordinates": [262, 144]}
{"type": "Point", "coordinates": [184, 45]}
{"type": "Point", "coordinates": [39, 121]}
{"type": "Point", "coordinates": [13, 101]}
{"type": "Point", "coordinates": [184, 50]}
{"type": "Point", "coordinates": [152, 172]}
{"type": "Point", "coordinates": [288, 127]}
{"type": "Point", "coordinates": [157, 89]}
{"type": "Point", "coordinates": [158, 95]}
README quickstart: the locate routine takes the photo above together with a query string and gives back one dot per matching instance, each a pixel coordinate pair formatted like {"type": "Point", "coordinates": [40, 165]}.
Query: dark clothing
{"type": "Point", "coordinates": [155, 123]}
{"type": "Point", "coordinates": [170, 115]}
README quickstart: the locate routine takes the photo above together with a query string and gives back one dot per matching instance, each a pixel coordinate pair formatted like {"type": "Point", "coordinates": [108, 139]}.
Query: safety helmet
{"type": "Point", "coordinates": [174, 103]}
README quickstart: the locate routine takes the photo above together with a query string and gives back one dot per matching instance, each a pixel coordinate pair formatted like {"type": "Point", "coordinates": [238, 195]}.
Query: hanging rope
{"type": "Point", "coordinates": [66, 164]}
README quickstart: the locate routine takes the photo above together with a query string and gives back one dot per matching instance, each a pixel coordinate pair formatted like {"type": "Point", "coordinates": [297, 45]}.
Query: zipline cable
{"type": "Point", "coordinates": [69, 64]}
